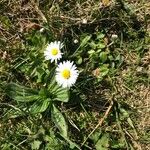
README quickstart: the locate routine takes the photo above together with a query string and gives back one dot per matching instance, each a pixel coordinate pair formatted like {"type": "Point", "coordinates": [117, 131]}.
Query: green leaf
{"type": "Point", "coordinates": [21, 93]}
{"type": "Point", "coordinates": [92, 44]}
{"type": "Point", "coordinates": [59, 121]}
{"type": "Point", "coordinates": [39, 106]}
{"type": "Point", "coordinates": [95, 136]}
{"type": "Point", "coordinates": [61, 94]}
{"type": "Point", "coordinates": [79, 61]}
{"type": "Point", "coordinates": [44, 93]}
{"type": "Point", "coordinates": [85, 40]}
{"type": "Point", "coordinates": [36, 144]}
{"type": "Point", "coordinates": [84, 43]}
{"type": "Point", "coordinates": [103, 142]}
{"type": "Point", "coordinates": [101, 45]}
{"type": "Point", "coordinates": [53, 86]}
{"type": "Point", "coordinates": [117, 145]}
{"type": "Point", "coordinates": [104, 71]}
{"type": "Point", "coordinates": [26, 98]}
{"type": "Point", "coordinates": [100, 36]}
{"type": "Point", "coordinates": [103, 56]}
{"type": "Point", "coordinates": [91, 52]}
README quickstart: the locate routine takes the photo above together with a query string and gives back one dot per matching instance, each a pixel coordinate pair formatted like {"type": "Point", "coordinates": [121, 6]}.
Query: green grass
{"type": "Point", "coordinates": [107, 108]}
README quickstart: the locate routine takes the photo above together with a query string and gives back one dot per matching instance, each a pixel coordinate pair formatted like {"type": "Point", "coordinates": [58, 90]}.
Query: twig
{"type": "Point", "coordinates": [100, 122]}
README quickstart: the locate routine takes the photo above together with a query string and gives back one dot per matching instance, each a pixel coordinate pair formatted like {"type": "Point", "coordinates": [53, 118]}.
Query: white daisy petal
{"type": "Point", "coordinates": [52, 51]}
{"type": "Point", "coordinates": [66, 74]}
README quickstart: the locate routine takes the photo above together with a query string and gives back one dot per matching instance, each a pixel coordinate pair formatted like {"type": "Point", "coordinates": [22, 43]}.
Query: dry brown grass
{"type": "Point", "coordinates": [23, 16]}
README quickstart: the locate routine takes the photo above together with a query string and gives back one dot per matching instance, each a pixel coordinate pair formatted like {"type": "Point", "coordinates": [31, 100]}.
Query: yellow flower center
{"type": "Point", "coordinates": [66, 73]}
{"type": "Point", "coordinates": [54, 51]}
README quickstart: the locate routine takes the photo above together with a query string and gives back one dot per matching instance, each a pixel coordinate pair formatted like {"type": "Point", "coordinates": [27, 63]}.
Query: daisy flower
{"type": "Point", "coordinates": [53, 52]}
{"type": "Point", "coordinates": [66, 74]}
